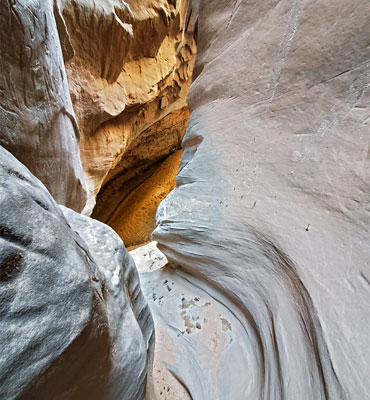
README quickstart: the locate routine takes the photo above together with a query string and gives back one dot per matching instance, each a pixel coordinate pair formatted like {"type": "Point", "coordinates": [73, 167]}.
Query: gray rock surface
{"type": "Point", "coordinates": [198, 332]}
{"type": "Point", "coordinates": [272, 208]}
{"type": "Point", "coordinates": [37, 120]}
{"type": "Point", "coordinates": [73, 321]}
{"type": "Point", "coordinates": [130, 321]}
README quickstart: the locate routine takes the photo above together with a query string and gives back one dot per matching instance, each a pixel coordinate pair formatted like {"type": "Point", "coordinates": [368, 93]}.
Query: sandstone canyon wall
{"type": "Point", "coordinates": [131, 67]}
{"type": "Point", "coordinates": [38, 124]}
{"type": "Point", "coordinates": [270, 218]}
{"type": "Point", "coordinates": [74, 323]}
{"type": "Point", "coordinates": [267, 290]}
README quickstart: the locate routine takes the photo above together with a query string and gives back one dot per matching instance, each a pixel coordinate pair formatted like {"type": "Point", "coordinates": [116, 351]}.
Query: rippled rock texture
{"type": "Point", "coordinates": [130, 66]}
{"type": "Point", "coordinates": [271, 214]}
{"type": "Point", "coordinates": [38, 124]}
{"type": "Point", "coordinates": [129, 201]}
{"type": "Point", "coordinates": [74, 323]}
{"type": "Point", "coordinates": [134, 218]}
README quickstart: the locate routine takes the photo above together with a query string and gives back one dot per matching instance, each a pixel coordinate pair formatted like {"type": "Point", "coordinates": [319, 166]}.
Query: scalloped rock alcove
{"type": "Point", "coordinates": [130, 99]}
{"type": "Point", "coordinates": [147, 173]}
{"type": "Point", "coordinates": [128, 86]}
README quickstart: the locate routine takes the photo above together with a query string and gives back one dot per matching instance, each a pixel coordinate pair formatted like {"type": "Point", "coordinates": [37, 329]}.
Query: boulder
{"type": "Point", "coordinates": [73, 321]}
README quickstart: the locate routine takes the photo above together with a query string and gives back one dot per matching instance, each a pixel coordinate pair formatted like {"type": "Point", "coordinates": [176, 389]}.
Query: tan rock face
{"type": "Point", "coordinates": [131, 67]}
{"type": "Point", "coordinates": [134, 218]}
{"type": "Point", "coordinates": [141, 159]}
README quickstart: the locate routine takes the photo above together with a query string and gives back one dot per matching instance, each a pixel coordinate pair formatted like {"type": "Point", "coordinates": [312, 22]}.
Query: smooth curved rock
{"type": "Point", "coordinates": [129, 318]}
{"type": "Point", "coordinates": [38, 124]}
{"type": "Point", "coordinates": [74, 323]}
{"type": "Point", "coordinates": [199, 334]}
{"type": "Point", "coordinates": [272, 204]}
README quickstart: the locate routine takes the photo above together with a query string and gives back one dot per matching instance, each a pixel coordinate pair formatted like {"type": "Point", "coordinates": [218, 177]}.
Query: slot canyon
{"type": "Point", "coordinates": [184, 200]}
